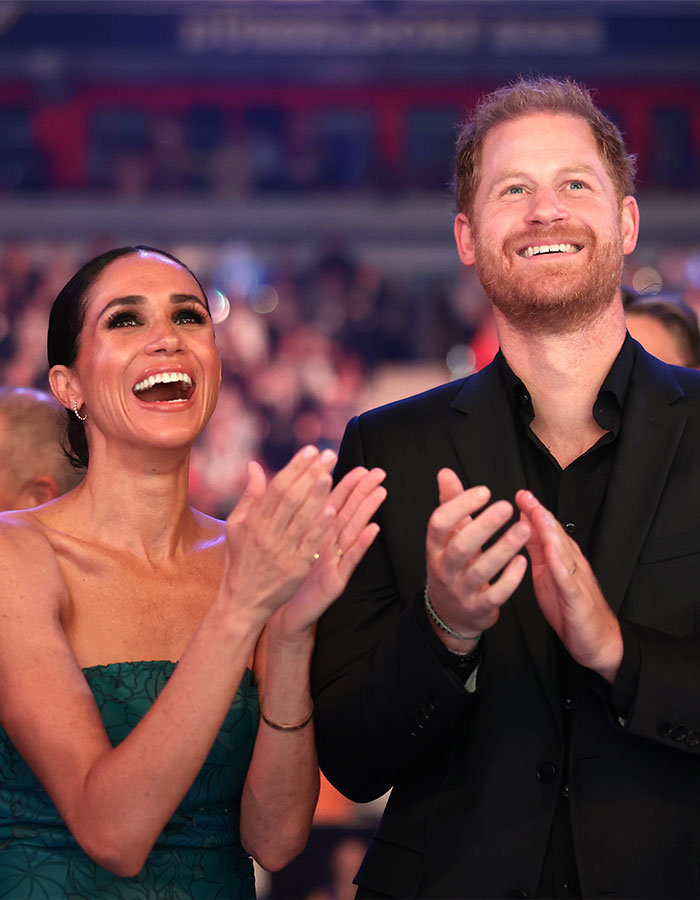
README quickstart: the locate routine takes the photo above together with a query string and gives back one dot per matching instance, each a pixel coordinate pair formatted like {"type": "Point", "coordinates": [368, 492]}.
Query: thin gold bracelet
{"type": "Point", "coordinates": [279, 727]}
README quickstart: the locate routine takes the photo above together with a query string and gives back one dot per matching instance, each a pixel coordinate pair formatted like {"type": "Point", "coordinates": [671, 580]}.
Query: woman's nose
{"type": "Point", "coordinates": [164, 338]}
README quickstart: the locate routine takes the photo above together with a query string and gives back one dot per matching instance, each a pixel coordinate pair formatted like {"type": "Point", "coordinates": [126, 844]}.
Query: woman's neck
{"type": "Point", "coordinates": [135, 501]}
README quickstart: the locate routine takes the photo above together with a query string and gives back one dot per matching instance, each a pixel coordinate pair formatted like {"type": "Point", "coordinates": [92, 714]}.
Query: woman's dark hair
{"type": "Point", "coordinates": [679, 320]}
{"type": "Point", "coordinates": [66, 324]}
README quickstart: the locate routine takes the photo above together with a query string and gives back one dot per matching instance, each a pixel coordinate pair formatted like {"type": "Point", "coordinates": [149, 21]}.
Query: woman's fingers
{"type": "Point", "coordinates": [370, 496]}
{"type": "Point", "coordinates": [352, 490]}
{"type": "Point", "coordinates": [290, 487]}
{"type": "Point", "coordinates": [254, 490]}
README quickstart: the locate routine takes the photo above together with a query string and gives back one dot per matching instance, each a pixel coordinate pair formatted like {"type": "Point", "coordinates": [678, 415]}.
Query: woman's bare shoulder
{"type": "Point", "coordinates": [23, 528]}
{"type": "Point", "coordinates": [27, 555]}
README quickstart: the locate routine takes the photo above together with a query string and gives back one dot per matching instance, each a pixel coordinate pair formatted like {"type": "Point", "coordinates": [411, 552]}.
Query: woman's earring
{"type": "Point", "coordinates": [75, 410]}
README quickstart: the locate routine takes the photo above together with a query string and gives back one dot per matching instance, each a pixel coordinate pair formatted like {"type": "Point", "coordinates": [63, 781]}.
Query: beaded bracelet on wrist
{"type": "Point", "coordinates": [443, 626]}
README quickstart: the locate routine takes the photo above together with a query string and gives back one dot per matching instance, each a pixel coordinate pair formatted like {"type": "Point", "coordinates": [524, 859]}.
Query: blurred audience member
{"type": "Point", "coordinates": [345, 859]}
{"type": "Point", "coordinates": [666, 327]}
{"type": "Point", "coordinates": [33, 465]}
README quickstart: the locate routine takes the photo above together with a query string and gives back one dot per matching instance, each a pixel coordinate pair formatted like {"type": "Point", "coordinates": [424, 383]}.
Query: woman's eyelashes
{"type": "Point", "coordinates": [126, 318]}
{"type": "Point", "coordinates": [122, 319]}
{"type": "Point", "coordinates": [190, 315]}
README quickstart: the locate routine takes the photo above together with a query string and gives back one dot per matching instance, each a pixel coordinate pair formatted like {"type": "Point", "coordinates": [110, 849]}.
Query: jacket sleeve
{"type": "Point", "coordinates": [666, 704]}
{"type": "Point", "coordinates": [384, 699]}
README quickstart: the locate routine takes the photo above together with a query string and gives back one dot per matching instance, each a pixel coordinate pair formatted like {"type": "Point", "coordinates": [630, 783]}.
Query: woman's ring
{"type": "Point", "coordinates": [315, 557]}
{"type": "Point", "coordinates": [339, 552]}
{"type": "Point", "coordinates": [573, 569]}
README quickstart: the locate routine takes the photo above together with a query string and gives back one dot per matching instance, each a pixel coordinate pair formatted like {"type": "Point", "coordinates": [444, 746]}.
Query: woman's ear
{"type": "Point", "coordinates": [65, 386]}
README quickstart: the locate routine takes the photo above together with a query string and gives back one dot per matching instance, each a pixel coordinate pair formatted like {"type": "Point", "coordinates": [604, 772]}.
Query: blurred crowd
{"type": "Point", "coordinates": [299, 346]}
{"type": "Point", "coordinates": [304, 346]}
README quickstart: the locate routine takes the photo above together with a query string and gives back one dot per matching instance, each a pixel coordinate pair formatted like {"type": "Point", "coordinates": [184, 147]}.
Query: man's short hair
{"type": "Point", "coordinates": [33, 439]}
{"type": "Point", "coordinates": [522, 98]}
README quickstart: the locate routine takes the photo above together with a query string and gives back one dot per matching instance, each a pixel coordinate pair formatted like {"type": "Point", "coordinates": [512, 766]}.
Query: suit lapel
{"type": "Point", "coordinates": [652, 426]}
{"type": "Point", "coordinates": [482, 429]}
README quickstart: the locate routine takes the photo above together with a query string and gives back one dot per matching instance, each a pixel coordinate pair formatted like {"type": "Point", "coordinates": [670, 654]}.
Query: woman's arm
{"type": "Point", "coordinates": [116, 800]}
{"type": "Point", "coordinates": [281, 789]}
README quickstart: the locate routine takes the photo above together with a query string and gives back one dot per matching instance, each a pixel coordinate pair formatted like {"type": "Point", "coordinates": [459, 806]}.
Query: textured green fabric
{"type": "Point", "coordinates": [198, 855]}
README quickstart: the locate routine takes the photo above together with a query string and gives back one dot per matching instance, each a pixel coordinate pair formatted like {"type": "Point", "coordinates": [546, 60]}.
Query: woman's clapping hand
{"type": "Point", "coordinates": [294, 537]}
{"type": "Point", "coordinates": [355, 499]}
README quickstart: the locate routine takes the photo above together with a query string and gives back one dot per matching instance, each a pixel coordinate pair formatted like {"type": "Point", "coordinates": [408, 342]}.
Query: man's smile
{"type": "Point", "coordinates": [540, 249]}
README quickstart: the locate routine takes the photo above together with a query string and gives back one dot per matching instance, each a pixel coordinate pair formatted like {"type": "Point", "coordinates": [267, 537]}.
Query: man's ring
{"type": "Point", "coordinates": [573, 569]}
{"type": "Point", "coordinates": [339, 552]}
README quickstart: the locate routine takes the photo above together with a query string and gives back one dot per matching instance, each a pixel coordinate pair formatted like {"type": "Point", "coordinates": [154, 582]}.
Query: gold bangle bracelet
{"type": "Point", "coordinates": [280, 727]}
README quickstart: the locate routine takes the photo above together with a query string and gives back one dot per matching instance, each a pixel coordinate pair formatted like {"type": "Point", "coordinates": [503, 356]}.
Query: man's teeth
{"type": "Point", "coordinates": [550, 248]}
{"type": "Point", "coordinates": [162, 378]}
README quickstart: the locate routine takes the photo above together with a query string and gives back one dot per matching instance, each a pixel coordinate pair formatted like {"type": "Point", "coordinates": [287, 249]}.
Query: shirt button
{"type": "Point", "coordinates": [568, 703]}
{"type": "Point", "coordinates": [570, 527]}
{"type": "Point", "coordinates": [565, 791]}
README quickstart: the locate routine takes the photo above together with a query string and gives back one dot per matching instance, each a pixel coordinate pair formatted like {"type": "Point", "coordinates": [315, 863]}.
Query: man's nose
{"type": "Point", "coordinates": [546, 208]}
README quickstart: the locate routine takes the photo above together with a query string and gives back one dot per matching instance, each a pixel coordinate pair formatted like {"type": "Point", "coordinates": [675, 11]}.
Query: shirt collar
{"type": "Point", "coordinates": [607, 409]}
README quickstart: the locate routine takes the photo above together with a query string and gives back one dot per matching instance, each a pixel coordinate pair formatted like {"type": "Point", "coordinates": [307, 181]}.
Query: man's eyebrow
{"type": "Point", "coordinates": [583, 168]}
{"type": "Point", "coordinates": [139, 300]}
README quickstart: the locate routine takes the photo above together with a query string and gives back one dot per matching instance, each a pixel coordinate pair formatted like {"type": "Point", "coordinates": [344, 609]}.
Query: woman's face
{"type": "Point", "coordinates": [148, 369]}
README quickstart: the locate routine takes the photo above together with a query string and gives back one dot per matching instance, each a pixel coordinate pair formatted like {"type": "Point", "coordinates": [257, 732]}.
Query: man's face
{"type": "Point", "coordinates": [546, 231]}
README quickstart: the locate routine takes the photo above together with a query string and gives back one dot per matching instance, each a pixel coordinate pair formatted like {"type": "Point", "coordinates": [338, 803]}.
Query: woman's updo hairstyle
{"type": "Point", "coordinates": [66, 324]}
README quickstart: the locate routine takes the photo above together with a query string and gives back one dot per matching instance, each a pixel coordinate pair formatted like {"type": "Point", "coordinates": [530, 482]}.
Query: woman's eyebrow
{"type": "Point", "coordinates": [139, 300]}
{"type": "Point", "coordinates": [129, 300]}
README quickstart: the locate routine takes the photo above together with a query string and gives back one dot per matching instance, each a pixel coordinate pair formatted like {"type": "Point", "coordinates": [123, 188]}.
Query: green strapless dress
{"type": "Point", "coordinates": [199, 853]}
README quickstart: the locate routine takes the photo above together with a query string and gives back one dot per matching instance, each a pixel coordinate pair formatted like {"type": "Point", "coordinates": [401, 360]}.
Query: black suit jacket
{"type": "Point", "coordinates": [476, 776]}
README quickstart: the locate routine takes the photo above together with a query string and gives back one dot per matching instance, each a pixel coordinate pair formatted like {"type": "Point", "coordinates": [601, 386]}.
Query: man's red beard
{"type": "Point", "coordinates": [547, 302]}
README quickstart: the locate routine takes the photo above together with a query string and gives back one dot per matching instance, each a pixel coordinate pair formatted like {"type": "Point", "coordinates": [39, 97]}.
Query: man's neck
{"type": "Point", "coordinates": [563, 374]}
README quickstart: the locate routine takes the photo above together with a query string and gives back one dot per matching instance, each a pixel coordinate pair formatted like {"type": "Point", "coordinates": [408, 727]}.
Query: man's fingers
{"type": "Point", "coordinates": [485, 566]}
{"type": "Point", "coordinates": [450, 514]}
{"type": "Point", "coordinates": [467, 543]}
{"type": "Point", "coordinates": [504, 586]}
{"type": "Point", "coordinates": [449, 485]}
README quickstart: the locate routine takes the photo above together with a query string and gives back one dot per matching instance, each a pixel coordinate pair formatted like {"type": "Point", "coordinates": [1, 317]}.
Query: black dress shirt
{"type": "Point", "coordinates": [575, 496]}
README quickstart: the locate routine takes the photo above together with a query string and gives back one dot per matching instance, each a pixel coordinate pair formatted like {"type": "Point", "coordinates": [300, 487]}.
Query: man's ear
{"type": "Point", "coordinates": [629, 224]}
{"type": "Point", "coordinates": [464, 236]}
{"type": "Point", "coordinates": [39, 490]}
{"type": "Point", "coordinates": [65, 386]}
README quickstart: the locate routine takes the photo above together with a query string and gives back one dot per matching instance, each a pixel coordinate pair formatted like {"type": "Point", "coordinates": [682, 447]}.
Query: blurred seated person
{"type": "Point", "coordinates": [344, 860]}
{"type": "Point", "coordinates": [154, 666]}
{"type": "Point", "coordinates": [666, 327]}
{"type": "Point", "coordinates": [34, 467]}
